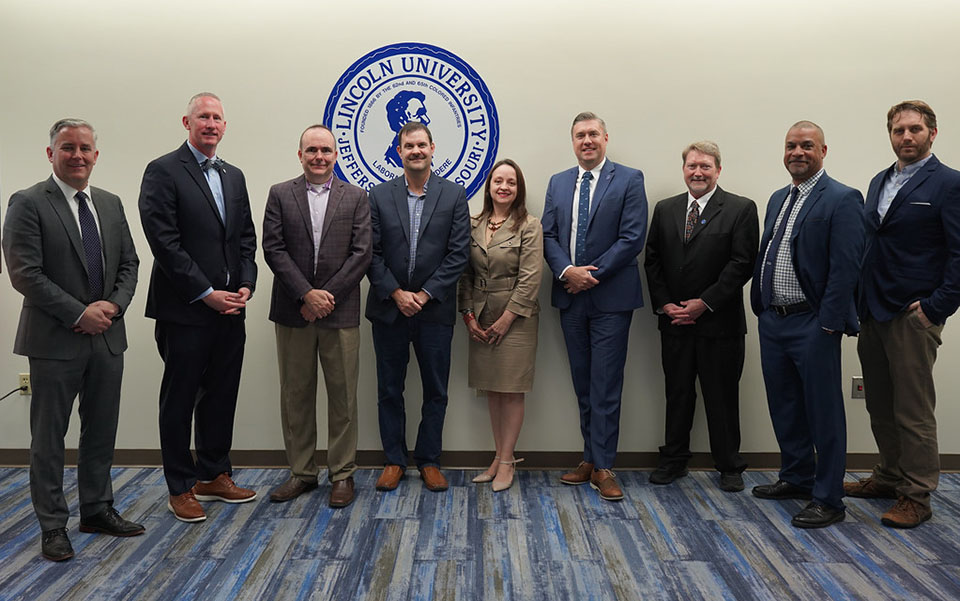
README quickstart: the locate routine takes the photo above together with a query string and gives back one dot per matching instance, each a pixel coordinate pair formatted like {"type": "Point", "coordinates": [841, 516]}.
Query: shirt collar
{"type": "Point", "coordinates": [69, 191]}
{"type": "Point", "coordinates": [595, 171]}
{"type": "Point", "coordinates": [702, 201]}
{"type": "Point", "coordinates": [406, 184]}
{"type": "Point", "coordinates": [324, 187]}
{"type": "Point", "coordinates": [912, 168]}
{"type": "Point", "coordinates": [807, 185]}
{"type": "Point", "coordinates": [199, 155]}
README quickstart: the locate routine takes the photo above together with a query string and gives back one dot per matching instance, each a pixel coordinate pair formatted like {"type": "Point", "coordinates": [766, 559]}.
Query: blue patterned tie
{"type": "Point", "coordinates": [766, 285]}
{"type": "Point", "coordinates": [91, 247]}
{"type": "Point", "coordinates": [583, 218]}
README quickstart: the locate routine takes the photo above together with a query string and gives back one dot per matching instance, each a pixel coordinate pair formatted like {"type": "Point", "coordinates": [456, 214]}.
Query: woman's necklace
{"type": "Point", "coordinates": [495, 225]}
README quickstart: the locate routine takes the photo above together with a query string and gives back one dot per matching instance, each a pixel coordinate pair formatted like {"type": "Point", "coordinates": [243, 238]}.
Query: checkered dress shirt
{"type": "Point", "coordinates": [786, 286]}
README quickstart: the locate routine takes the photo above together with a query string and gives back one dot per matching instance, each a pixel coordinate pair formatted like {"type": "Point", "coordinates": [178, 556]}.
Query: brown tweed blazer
{"type": "Point", "coordinates": [341, 262]}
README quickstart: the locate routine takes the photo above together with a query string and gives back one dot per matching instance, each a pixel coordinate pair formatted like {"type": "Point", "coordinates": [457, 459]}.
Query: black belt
{"type": "Point", "coordinates": [790, 309]}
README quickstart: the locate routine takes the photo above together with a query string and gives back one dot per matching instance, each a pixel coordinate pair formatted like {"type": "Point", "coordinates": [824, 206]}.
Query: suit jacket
{"type": "Point", "coordinates": [827, 245]}
{"type": "Point", "coordinates": [714, 265]}
{"type": "Point", "coordinates": [914, 253]}
{"type": "Point", "coordinates": [443, 247]}
{"type": "Point", "coordinates": [47, 264]}
{"type": "Point", "coordinates": [193, 249]}
{"type": "Point", "coordinates": [615, 233]}
{"type": "Point", "coordinates": [506, 273]}
{"type": "Point", "coordinates": [338, 267]}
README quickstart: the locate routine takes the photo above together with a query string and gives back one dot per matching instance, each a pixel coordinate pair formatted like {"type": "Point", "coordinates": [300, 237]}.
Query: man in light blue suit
{"type": "Point", "coordinates": [909, 286]}
{"type": "Point", "coordinates": [594, 224]}
{"type": "Point", "coordinates": [803, 293]}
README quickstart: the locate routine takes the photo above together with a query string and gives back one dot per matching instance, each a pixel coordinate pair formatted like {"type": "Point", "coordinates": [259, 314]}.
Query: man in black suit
{"type": "Point", "coordinates": [69, 252]}
{"type": "Point", "coordinates": [700, 253]}
{"type": "Point", "coordinates": [421, 243]}
{"type": "Point", "coordinates": [196, 217]}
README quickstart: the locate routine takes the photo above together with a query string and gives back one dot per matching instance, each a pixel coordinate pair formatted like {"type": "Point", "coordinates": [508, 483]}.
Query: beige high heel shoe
{"type": "Point", "coordinates": [500, 485]}
{"type": "Point", "coordinates": [486, 476]}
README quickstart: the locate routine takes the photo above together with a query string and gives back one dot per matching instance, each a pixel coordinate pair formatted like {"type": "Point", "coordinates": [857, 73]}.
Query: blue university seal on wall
{"type": "Point", "coordinates": [404, 82]}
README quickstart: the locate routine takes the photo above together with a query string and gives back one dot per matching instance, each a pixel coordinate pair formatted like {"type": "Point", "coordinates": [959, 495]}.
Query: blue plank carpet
{"type": "Point", "coordinates": [540, 540]}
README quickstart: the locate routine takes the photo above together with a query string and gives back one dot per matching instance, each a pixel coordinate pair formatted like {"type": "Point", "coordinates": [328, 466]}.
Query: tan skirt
{"type": "Point", "coordinates": [508, 366]}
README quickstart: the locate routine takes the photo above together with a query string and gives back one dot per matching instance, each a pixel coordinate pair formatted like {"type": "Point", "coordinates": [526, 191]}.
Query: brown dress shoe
{"type": "Point", "coordinates": [581, 475]}
{"type": "Point", "coordinates": [603, 482]}
{"type": "Point", "coordinates": [390, 477]}
{"type": "Point", "coordinates": [869, 488]}
{"type": "Point", "coordinates": [186, 508]}
{"type": "Point", "coordinates": [341, 493]}
{"type": "Point", "coordinates": [907, 513]}
{"type": "Point", "coordinates": [432, 478]}
{"type": "Point", "coordinates": [291, 489]}
{"type": "Point", "coordinates": [222, 489]}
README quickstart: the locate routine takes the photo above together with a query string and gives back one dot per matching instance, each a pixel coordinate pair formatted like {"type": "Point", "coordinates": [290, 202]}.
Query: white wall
{"type": "Point", "coordinates": [662, 74]}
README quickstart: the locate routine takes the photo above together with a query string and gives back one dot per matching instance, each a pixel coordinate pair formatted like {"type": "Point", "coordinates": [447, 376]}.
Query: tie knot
{"type": "Point", "coordinates": [81, 197]}
{"type": "Point", "coordinates": [694, 206]}
{"type": "Point", "coordinates": [587, 176]}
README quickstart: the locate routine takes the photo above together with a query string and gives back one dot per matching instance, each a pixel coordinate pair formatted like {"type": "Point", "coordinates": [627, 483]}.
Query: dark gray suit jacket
{"type": "Point", "coordinates": [47, 264]}
{"type": "Point", "coordinates": [341, 262]}
{"type": "Point", "coordinates": [714, 265]}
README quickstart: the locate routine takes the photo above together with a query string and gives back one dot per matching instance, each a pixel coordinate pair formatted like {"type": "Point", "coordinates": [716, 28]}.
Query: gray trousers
{"type": "Point", "coordinates": [95, 376]}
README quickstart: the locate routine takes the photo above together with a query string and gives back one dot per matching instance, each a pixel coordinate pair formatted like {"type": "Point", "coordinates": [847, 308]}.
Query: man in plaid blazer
{"type": "Point", "coordinates": [316, 240]}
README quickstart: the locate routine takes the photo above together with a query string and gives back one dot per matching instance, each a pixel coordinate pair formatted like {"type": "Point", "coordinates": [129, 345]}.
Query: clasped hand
{"type": "Point", "coordinates": [226, 302]}
{"type": "Point", "coordinates": [96, 318]}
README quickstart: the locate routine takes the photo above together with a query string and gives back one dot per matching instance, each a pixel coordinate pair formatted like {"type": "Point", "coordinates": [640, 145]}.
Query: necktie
{"type": "Point", "coordinates": [692, 218]}
{"type": "Point", "coordinates": [583, 217]}
{"type": "Point", "coordinates": [766, 285]}
{"type": "Point", "coordinates": [91, 247]}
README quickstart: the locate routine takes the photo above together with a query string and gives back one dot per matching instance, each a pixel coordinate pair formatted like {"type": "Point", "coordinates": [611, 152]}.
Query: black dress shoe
{"type": "Point", "coordinates": [781, 490]}
{"type": "Point", "coordinates": [731, 481]}
{"type": "Point", "coordinates": [815, 515]}
{"type": "Point", "coordinates": [110, 522]}
{"type": "Point", "coordinates": [666, 474]}
{"type": "Point", "coordinates": [55, 545]}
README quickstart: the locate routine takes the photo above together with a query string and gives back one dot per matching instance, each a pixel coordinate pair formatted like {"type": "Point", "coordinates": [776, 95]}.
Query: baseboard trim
{"type": "Point", "coordinates": [643, 460]}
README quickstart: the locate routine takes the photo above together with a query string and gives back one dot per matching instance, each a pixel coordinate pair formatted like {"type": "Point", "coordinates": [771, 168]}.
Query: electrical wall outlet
{"type": "Point", "coordinates": [856, 391]}
{"type": "Point", "coordinates": [25, 381]}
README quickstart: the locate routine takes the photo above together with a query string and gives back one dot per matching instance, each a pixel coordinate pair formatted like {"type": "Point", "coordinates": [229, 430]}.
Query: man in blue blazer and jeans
{"type": "Point", "coordinates": [594, 224]}
{"type": "Point", "coordinates": [803, 293]}
{"type": "Point", "coordinates": [909, 285]}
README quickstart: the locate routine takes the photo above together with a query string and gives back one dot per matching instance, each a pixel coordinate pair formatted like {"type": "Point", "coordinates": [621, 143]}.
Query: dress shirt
{"type": "Point", "coordinates": [216, 188]}
{"type": "Point", "coordinates": [576, 206]}
{"type": "Point", "coordinates": [317, 197]}
{"type": "Point", "coordinates": [701, 202]}
{"type": "Point", "coordinates": [786, 286]}
{"type": "Point", "coordinates": [70, 193]}
{"type": "Point", "coordinates": [896, 180]}
{"type": "Point", "coordinates": [415, 209]}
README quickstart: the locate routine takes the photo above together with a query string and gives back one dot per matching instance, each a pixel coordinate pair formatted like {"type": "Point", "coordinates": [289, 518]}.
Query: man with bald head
{"type": "Point", "coordinates": [69, 252]}
{"type": "Point", "coordinates": [196, 217]}
{"type": "Point", "coordinates": [317, 242]}
{"type": "Point", "coordinates": [803, 294]}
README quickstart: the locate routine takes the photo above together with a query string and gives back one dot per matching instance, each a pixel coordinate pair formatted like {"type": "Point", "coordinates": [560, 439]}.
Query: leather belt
{"type": "Point", "coordinates": [790, 309]}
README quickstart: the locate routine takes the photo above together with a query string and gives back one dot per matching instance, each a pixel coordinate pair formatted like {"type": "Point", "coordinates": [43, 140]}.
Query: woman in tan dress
{"type": "Point", "coordinates": [498, 300]}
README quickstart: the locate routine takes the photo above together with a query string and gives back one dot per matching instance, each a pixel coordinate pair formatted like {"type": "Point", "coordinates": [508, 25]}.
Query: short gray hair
{"type": "Point", "coordinates": [69, 123]}
{"type": "Point", "coordinates": [705, 147]}
{"type": "Point", "coordinates": [196, 97]}
{"type": "Point", "coordinates": [588, 116]}
{"type": "Point", "coordinates": [804, 124]}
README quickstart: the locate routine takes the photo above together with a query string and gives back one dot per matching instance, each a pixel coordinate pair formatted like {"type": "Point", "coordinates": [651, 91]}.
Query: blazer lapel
{"type": "Point", "coordinates": [299, 192]}
{"type": "Point", "coordinates": [773, 209]}
{"type": "Point", "coordinates": [59, 204]}
{"type": "Point", "coordinates": [568, 184]}
{"type": "Point", "coordinates": [478, 232]}
{"type": "Point", "coordinates": [606, 175]}
{"type": "Point", "coordinates": [400, 201]}
{"type": "Point", "coordinates": [918, 178]}
{"type": "Point", "coordinates": [430, 202]}
{"type": "Point", "coordinates": [808, 204]}
{"type": "Point", "coordinates": [872, 202]}
{"type": "Point", "coordinates": [193, 168]}
{"type": "Point", "coordinates": [503, 234]}
{"type": "Point", "coordinates": [333, 202]}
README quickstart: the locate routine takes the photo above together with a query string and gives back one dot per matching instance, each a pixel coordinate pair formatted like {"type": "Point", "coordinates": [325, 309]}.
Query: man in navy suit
{"type": "Point", "coordinates": [909, 286]}
{"type": "Point", "coordinates": [594, 224]}
{"type": "Point", "coordinates": [196, 217]}
{"type": "Point", "coordinates": [421, 237]}
{"type": "Point", "coordinates": [803, 293]}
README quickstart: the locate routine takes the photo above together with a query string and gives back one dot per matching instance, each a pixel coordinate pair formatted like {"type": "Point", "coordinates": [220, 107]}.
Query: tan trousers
{"type": "Point", "coordinates": [897, 359]}
{"type": "Point", "coordinates": [339, 353]}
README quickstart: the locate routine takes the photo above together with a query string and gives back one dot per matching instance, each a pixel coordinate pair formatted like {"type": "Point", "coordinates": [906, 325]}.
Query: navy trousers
{"type": "Point", "coordinates": [597, 349]}
{"type": "Point", "coordinates": [801, 372]}
{"type": "Point", "coordinates": [431, 343]}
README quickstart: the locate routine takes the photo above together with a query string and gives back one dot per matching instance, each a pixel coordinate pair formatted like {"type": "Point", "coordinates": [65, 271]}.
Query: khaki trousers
{"type": "Point", "coordinates": [897, 359]}
{"type": "Point", "coordinates": [339, 353]}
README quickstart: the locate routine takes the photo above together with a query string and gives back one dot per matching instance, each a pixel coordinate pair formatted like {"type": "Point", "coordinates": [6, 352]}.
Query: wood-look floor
{"type": "Point", "coordinates": [539, 540]}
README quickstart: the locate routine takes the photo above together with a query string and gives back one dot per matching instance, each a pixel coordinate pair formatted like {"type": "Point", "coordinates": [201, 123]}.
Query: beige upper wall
{"type": "Point", "coordinates": [661, 73]}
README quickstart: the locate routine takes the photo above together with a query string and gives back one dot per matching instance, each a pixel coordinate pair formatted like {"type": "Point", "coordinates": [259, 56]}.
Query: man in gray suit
{"type": "Point", "coordinates": [316, 239]}
{"type": "Point", "coordinates": [69, 252]}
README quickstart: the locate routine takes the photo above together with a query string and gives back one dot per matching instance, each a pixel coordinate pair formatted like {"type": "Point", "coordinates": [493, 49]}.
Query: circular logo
{"type": "Point", "coordinates": [404, 82]}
